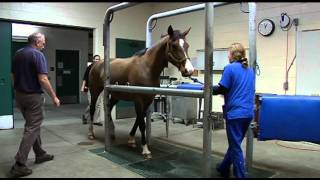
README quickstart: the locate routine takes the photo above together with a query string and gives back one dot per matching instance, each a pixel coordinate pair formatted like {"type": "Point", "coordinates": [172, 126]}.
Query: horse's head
{"type": "Point", "coordinates": [177, 51]}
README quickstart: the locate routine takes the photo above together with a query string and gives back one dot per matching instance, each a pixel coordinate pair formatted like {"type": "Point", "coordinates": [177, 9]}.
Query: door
{"type": "Point", "coordinates": [67, 76]}
{"type": "Point", "coordinates": [126, 48]}
{"type": "Point", "coordinates": [16, 45]}
{"type": "Point", "coordinates": [6, 105]}
{"type": "Point", "coordinates": [307, 63]}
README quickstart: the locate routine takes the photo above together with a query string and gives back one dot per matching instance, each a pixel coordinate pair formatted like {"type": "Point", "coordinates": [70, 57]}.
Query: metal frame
{"type": "Point", "coordinates": [253, 64]}
{"type": "Point", "coordinates": [207, 93]}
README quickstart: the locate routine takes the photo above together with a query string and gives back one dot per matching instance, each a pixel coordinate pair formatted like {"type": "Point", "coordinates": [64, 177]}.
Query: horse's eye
{"type": "Point", "coordinates": [175, 46]}
{"type": "Point", "coordinates": [186, 46]}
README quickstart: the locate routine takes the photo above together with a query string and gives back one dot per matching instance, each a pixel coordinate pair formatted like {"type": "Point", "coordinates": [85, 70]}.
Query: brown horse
{"type": "Point", "coordinates": [142, 69]}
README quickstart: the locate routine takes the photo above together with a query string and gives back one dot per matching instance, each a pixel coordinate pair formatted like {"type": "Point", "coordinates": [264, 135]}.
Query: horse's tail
{"type": "Point", "coordinates": [96, 84]}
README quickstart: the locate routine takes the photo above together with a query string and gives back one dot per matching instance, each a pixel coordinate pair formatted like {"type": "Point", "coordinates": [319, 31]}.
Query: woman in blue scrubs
{"type": "Point", "coordinates": [237, 84]}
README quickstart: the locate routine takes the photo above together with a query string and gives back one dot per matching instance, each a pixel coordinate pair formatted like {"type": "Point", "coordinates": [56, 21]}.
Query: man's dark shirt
{"type": "Point", "coordinates": [28, 62]}
{"type": "Point", "coordinates": [86, 75]}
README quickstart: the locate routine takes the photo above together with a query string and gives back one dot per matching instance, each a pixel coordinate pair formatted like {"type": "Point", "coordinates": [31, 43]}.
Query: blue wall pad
{"type": "Point", "coordinates": [289, 118]}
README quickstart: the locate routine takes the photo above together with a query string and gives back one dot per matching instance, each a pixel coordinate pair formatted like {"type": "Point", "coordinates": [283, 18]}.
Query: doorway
{"type": "Point", "coordinates": [67, 76]}
{"type": "Point", "coordinates": [6, 105]}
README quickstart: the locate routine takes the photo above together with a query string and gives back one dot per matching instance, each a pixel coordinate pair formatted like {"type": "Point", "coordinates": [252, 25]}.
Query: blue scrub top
{"type": "Point", "coordinates": [239, 101]}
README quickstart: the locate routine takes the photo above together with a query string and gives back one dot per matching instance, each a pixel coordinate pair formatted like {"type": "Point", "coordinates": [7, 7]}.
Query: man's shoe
{"type": "Point", "coordinates": [98, 124]}
{"type": "Point", "coordinates": [20, 171]}
{"type": "Point", "coordinates": [84, 120]}
{"type": "Point", "coordinates": [43, 158]}
{"type": "Point", "coordinates": [224, 174]}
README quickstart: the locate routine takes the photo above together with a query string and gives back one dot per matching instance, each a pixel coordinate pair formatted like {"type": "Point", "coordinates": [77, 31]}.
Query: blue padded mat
{"type": "Point", "coordinates": [290, 118]}
{"type": "Point", "coordinates": [190, 86]}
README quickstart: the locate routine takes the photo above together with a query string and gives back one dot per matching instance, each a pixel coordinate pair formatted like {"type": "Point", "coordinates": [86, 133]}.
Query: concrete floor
{"type": "Point", "coordinates": [62, 131]}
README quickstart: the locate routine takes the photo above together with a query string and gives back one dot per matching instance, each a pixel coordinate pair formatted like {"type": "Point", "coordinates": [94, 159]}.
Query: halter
{"type": "Point", "coordinates": [170, 54]}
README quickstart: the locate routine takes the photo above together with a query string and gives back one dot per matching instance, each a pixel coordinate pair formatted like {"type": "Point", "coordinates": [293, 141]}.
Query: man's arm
{"type": "Point", "coordinates": [84, 88]}
{"type": "Point", "coordinates": [45, 83]}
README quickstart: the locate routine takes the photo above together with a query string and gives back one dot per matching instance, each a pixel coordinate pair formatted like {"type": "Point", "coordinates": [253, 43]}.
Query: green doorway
{"type": "Point", "coordinates": [6, 105]}
{"type": "Point", "coordinates": [67, 76]}
{"type": "Point", "coordinates": [126, 48]}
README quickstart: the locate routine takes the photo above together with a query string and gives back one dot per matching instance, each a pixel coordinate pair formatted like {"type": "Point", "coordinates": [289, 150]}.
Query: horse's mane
{"type": "Point", "coordinates": [140, 52]}
{"type": "Point", "coordinates": [177, 34]}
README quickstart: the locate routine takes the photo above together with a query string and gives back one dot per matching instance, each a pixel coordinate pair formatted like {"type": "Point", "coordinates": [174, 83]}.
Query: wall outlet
{"type": "Point", "coordinates": [295, 22]}
{"type": "Point", "coordinates": [286, 86]}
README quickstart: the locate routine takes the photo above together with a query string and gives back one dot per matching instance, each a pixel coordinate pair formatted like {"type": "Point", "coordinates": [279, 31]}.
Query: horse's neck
{"type": "Point", "coordinates": [157, 58]}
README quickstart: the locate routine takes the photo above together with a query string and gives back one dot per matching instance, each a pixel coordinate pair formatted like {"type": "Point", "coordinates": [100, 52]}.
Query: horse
{"type": "Point", "coordinates": [142, 69]}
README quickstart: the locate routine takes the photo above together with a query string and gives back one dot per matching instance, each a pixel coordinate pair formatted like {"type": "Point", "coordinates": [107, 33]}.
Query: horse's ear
{"type": "Point", "coordinates": [170, 31]}
{"type": "Point", "coordinates": [186, 32]}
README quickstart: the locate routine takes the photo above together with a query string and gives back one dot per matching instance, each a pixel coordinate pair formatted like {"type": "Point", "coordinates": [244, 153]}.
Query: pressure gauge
{"type": "Point", "coordinates": [284, 20]}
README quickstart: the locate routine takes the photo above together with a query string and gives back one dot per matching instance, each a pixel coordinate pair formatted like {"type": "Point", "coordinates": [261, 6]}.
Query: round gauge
{"type": "Point", "coordinates": [284, 20]}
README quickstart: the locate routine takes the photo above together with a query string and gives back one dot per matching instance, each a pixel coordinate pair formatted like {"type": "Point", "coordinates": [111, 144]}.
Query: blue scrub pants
{"type": "Point", "coordinates": [236, 130]}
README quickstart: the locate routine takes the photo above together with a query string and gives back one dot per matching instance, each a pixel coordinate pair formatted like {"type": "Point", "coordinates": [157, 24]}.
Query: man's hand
{"type": "Point", "coordinates": [56, 101]}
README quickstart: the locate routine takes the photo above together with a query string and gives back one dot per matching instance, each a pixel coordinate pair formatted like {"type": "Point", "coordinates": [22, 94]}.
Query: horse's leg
{"type": "Point", "coordinates": [132, 141]}
{"type": "Point", "coordinates": [112, 103]}
{"type": "Point", "coordinates": [142, 126]}
{"type": "Point", "coordinates": [94, 96]}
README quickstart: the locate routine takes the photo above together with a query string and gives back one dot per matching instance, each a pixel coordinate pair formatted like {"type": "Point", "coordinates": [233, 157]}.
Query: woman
{"type": "Point", "coordinates": [237, 84]}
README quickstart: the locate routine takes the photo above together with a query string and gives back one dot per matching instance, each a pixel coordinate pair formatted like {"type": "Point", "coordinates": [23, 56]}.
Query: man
{"type": "Point", "coordinates": [98, 116]}
{"type": "Point", "coordinates": [30, 75]}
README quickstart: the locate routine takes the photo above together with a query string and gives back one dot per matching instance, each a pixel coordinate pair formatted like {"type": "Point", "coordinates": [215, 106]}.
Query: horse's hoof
{"type": "Point", "coordinates": [113, 137]}
{"type": "Point", "coordinates": [147, 156]}
{"type": "Point", "coordinates": [91, 137]}
{"type": "Point", "coordinates": [132, 145]}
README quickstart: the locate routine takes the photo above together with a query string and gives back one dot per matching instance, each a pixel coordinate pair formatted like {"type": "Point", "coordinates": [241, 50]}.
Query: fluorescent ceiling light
{"type": "Point", "coordinates": [23, 30]}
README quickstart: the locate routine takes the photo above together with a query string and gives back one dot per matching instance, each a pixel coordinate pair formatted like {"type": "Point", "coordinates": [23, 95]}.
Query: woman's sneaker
{"type": "Point", "coordinates": [222, 173]}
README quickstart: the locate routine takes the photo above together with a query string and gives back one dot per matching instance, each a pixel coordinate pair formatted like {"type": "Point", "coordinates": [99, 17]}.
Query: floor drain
{"type": "Point", "coordinates": [86, 143]}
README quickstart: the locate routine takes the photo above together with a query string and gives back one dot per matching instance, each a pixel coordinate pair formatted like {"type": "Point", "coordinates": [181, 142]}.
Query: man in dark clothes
{"type": "Point", "coordinates": [85, 89]}
{"type": "Point", "coordinates": [30, 75]}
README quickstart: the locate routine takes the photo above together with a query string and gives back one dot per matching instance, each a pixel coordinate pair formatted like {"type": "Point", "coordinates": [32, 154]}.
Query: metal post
{"type": "Point", "coordinates": [106, 41]}
{"type": "Point", "coordinates": [207, 124]}
{"type": "Point", "coordinates": [253, 56]}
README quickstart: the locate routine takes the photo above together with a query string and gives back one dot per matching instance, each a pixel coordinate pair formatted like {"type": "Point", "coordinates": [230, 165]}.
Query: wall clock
{"type": "Point", "coordinates": [266, 27]}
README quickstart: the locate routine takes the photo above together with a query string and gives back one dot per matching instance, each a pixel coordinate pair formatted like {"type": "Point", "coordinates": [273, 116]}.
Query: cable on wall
{"type": "Point", "coordinates": [295, 23]}
{"type": "Point", "coordinates": [242, 9]}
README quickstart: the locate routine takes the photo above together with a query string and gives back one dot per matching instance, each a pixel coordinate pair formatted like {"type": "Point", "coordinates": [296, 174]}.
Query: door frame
{"type": "Point", "coordinates": [78, 74]}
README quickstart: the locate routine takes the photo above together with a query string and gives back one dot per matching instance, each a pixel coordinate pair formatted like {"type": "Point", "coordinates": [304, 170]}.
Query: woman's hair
{"type": "Point", "coordinates": [238, 53]}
